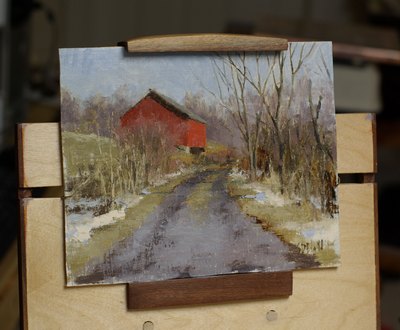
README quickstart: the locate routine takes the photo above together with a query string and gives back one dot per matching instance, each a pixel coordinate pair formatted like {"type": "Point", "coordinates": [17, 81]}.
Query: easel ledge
{"type": "Point", "coordinates": [210, 290]}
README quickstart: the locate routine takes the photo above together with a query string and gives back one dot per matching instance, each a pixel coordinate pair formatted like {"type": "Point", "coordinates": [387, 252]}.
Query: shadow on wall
{"type": "Point", "coordinates": [8, 200]}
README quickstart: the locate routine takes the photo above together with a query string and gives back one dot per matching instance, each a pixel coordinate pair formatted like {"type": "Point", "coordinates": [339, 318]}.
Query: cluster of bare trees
{"type": "Point", "coordinates": [146, 154]}
{"type": "Point", "coordinates": [267, 103]}
{"type": "Point", "coordinates": [117, 161]}
{"type": "Point", "coordinates": [279, 114]}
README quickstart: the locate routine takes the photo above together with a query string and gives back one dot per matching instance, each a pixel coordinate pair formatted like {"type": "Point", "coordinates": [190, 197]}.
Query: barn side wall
{"type": "Point", "coordinates": [148, 113]}
{"type": "Point", "coordinates": [196, 134]}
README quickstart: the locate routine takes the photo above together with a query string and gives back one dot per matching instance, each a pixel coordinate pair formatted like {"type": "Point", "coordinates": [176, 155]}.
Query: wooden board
{"type": "Point", "coordinates": [208, 290]}
{"type": "Point", "coordinates": [204, 43]}
{"type": "Point", "coordinates": [342, 298]}
{"type": "Point", "coordinates": [356, 143]}
{"type": "Point", "coordinates": [350, 41]}
{"type": "Point", "coordinates": [41, 165]}
{"type": "Point", "coordinates": [364, 53]}
{"type": "Point", "coordinates": [39, 160]}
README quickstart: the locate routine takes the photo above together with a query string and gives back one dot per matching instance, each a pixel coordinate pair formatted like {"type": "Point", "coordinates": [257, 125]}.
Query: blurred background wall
{"type": "Point", "coordinates": [103, 23]}
{"type": "Point", "coordinates": [32, 31]}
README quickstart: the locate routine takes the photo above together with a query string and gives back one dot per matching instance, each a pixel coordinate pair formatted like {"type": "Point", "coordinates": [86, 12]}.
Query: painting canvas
{"type": "Point", "coordinates": [194, 165]}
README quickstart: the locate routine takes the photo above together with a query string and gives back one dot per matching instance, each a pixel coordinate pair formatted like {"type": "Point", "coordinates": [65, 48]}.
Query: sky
{"type": "Point", "coordinates": [91, 71]}
{"type": "Point", "coordinates": [87, 72]}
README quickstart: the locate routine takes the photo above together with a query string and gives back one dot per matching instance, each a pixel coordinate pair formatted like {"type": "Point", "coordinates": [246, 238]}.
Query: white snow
{"type": "Point", "coordinates": [168, 177]}
{"type": "Point", "coordinates": [270, 198]}
{"type": "Point", "coordinates": [326, 230]}
{"type": "Point", "coordinates": [238, 174]}
{"type": "Point", "coordinates": [263, 193]}
{"type": "Point", "coordinates": [79, 225]}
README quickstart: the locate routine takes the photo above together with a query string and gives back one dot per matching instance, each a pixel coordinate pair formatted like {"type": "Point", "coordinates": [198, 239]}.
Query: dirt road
{"type": "Point", "coordinates": [178, 240]}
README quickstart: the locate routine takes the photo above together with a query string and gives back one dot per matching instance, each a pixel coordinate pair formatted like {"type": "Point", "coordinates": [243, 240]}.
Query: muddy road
{"type": "Point", "coordinates": [178, 240]}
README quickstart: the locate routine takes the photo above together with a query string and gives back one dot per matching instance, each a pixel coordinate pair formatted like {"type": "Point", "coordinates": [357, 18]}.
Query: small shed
{"type": "Point", "coordinates": [187, 129]}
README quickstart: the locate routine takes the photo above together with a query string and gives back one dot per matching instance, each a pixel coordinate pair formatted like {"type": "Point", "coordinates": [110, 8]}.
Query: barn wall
{"type": "Point", "coordinates": [148, 113]}
{"type": "Point", "coordinates": [196, 134]}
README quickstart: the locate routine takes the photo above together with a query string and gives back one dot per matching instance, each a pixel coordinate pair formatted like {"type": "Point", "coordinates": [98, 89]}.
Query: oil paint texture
{"type": "Point", "coordinates": [191, 165]}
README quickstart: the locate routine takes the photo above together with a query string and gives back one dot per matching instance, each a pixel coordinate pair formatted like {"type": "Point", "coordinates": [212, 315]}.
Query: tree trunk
{"type": "Point", "coordinates": [280, 166]}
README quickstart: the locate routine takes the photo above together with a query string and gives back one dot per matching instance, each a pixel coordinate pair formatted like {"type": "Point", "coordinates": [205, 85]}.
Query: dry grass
{"type": "Point", "coordinates": [200, 197]}
{"type": "Point", "coordinates": [286, 222]}
{"type": "Point", "coordinates": [327, 256]}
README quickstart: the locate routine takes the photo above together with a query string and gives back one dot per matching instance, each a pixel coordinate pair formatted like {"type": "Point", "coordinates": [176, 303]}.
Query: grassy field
{"type": "Point", "coordinates": [300, 224]}
{"type": "Point", "coordinates": [84, 149]}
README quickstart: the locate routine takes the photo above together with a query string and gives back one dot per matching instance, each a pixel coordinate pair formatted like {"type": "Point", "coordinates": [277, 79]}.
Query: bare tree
{"type": "Point", "coordinates": [232, 76]}
{"type": "Point", "coordinates": [315, 110]}
{"type": "Point", "coordinates": [271, 102]}
{"type": "Point", "coordinates": [297, 59]}
{"type": "Point", "coordinates": [70, 111]}
{"type": "Point", "coordinates": [326, 180]}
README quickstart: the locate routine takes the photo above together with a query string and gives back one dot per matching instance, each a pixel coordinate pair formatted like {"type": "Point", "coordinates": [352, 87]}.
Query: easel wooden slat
{"type": "Point", "coordinates": [356, 143]}
{"type": "Point", "coordinates": [209, 290]}
{"type": "Point", "coordinates": [40, 158]}
{"type": "Point", "coordinates": [41, 166]}
{"type": "Point", "coordinates": [364, 53]}
{"type": "Point", "coordinates": [204, 43]}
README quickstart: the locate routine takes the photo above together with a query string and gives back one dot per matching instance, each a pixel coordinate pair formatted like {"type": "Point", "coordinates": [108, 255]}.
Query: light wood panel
{"type": "Point", "coordinates": [40, 164]}
{"type": "Point", "coordinates": [342, 298]}
{"type": "Point", "coordinates": [356, 143]}
{"type": "Point", "coordinates": [39, 158]}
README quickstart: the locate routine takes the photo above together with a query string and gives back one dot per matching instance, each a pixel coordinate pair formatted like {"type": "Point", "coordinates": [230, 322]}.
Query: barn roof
{"type": "Point", "coordinates": [173, 106]}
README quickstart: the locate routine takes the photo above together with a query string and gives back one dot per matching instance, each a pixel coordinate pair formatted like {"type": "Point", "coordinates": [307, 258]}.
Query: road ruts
{"type": "Point", "coordinates": [173, 243]}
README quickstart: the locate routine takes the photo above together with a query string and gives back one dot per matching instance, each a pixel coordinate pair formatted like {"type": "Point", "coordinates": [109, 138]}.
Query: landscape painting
{"type": "Point", "coordinates": [195, 165]}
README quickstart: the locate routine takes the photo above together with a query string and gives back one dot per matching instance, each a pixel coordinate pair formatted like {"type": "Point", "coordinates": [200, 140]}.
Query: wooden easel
{"type": "Point", "coordinates": [346, 297]}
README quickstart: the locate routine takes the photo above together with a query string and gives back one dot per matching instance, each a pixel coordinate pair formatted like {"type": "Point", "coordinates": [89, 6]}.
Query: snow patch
{"type": "Point", "coordinates": [79, 225]}
{"type": "Point", "coordinates": [167, 178]}
{"type": "Point", "coordinates": [238, 174]}
{"type": "Point", "coordinates": [265, 195]}
{"type": "Point", "coordinates": [326, 230]}
{"type": "Point", "coordinates": [259, 197]}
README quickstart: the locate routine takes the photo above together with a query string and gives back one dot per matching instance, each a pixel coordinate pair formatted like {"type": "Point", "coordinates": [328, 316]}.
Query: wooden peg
{"type": "Point", "coordinates": [203, 43]}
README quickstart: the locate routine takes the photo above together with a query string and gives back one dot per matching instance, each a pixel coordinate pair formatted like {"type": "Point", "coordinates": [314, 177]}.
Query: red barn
{"type": "Point", "coordinates": [186, 128]}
